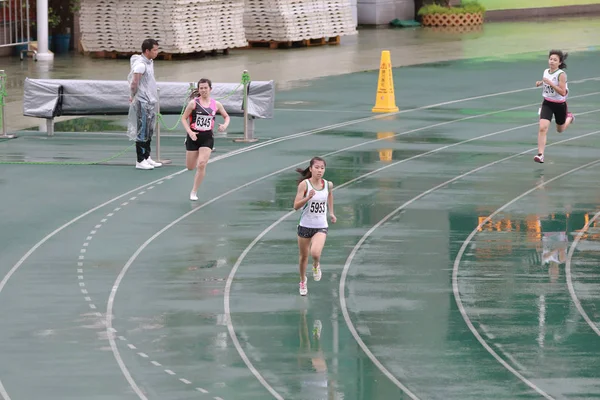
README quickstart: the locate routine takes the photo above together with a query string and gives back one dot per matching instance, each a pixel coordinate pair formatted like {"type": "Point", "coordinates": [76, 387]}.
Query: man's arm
{"type": "Point", "coordinates": [134, 84]}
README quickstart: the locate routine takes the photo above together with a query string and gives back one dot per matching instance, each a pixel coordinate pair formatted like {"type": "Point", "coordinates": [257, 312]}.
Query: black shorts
{"type": "Point", "coordinates": [550, 108]}
{"type": "Point", "coordinates": [203, 139]}
{"type": "Point", "coordinates": [307, 233]}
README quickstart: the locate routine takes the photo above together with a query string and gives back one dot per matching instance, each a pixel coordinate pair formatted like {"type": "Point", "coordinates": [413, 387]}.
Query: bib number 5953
{"type": "Point", "coordinates": [318, 208]}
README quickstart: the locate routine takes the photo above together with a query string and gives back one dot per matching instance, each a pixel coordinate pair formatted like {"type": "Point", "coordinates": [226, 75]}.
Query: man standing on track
{"type": "Point", "coordinates": [143, 99]}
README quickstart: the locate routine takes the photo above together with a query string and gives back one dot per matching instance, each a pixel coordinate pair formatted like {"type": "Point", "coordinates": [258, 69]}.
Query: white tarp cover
{"type": "Point", "coordinates": [90, 97]}
{"type": "Point", "coordinates": [45, 98]}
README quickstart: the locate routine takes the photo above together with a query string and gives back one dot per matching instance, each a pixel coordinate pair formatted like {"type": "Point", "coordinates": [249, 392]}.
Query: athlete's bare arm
{"type": "Point", "coordinates": [186, 116]}
{"type": "Point", "coordinates": [221, 109]}
{"type": "Point", "coordinates": [330, 203]}
{"type": "Point", "coordinates": [300, 200]}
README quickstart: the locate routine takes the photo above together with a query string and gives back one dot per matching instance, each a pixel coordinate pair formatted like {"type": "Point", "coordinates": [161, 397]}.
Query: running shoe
{"type": "Point", "coordinates": [303, 288]}
{"type": "Point", "coordinates": [317, 273]}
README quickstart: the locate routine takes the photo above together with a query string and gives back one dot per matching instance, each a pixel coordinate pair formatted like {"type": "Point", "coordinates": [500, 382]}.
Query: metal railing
{"type": "Point", "coordinates": [3, 134]}
{"type": "Point", "coordinates": [15, 23]}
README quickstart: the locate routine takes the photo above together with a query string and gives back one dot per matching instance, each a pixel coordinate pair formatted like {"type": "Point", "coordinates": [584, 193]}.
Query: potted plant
{"type": "Point", "coordinates": [65, 11]}
{"type": "Point", "coordinates": [53, 23]}
{"type": "Point", "coordinates": [468, 13]}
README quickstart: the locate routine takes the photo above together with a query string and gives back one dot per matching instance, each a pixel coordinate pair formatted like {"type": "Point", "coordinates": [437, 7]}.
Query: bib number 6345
{"type": "Point", "coordinates": [203, 122]}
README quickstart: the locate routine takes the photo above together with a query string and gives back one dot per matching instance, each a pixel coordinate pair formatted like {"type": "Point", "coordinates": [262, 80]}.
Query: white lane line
{"type": "Point", "coordinates": [569, 276]}
{"type": "Point", "coordinates": [457, 266]}
{"type": "Point", "coordinates": [149, 186]}
{"type": "Point", "coordinates": [231, 276]}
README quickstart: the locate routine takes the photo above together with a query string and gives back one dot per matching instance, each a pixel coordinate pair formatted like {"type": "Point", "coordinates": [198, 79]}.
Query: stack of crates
{"type": "Point", "coordinates": [339, 18]}
{"type": "Point", "coordinates": [98, 21]}
{"type": "Point", "coordinates": [180, 26]}
{"type": "Point", "coordinates": [293, 20]}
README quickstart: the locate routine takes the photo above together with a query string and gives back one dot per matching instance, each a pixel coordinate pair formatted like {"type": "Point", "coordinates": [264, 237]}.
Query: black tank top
{"type": "Point", "coordinates": [202, 119]}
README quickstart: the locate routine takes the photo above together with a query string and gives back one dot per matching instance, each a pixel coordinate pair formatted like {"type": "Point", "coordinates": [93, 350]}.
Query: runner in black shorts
{"type": "Point", "coordinates": [198, 120]}
{"type": "Point", "coordinates": [315, 197]}
{"type": "Point", "coordinates": [555, 93]}
{"type": "Point", "coordinates": [558, 110]}
{"type": "Point", "coordinates": [308, 233]}
{"type": "Point", "coordinates": [203, 139]}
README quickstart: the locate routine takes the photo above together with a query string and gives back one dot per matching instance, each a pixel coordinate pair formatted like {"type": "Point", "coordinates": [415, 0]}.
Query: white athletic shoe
{"type": "Point", "coordinates": [193, 196]}
{"type": "Point", "coordinates": [317, 327]}
{"type": "Point", "coordinates": [303, 288]}
{"type": "Point", "coordinates": [155, 164]}
{"type": "Point", "coordinates": [143, 165]}
{"type": "Point", "coordinates": [317, 273]}
{"type": "Point", "coordinates": [539, 158]}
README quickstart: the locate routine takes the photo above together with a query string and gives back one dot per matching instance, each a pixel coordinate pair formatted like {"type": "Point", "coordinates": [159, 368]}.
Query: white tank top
{"type": "Point", "coordinates": [314, 212]}
{"type": "Point", "coordinates": [549, 93]}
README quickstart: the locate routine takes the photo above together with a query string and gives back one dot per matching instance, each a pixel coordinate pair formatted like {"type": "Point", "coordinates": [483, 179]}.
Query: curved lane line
{"type": "Point", "coordinates": [342, 299]}
{"type": "Point", "coordinates": [11, 272]}
{"type": "Point", "coordinates": [569, 277]}
{"type": "Point", "coordinates": [457, 265]}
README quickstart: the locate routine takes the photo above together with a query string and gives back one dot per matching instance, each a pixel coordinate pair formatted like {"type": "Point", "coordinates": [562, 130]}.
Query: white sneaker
{"type": "Point", "coordinates": [317, 327]}
{"type": "Point", "coordinates": [303, 288]}
{"type": "Point", "coordinates": [155, 164]}
{"type": "Point", "coordinates": [317, 273]}
{"type": "Point", "coordinates": [143, 165]}
{"type": "Point", "coordinates": [193, 196]}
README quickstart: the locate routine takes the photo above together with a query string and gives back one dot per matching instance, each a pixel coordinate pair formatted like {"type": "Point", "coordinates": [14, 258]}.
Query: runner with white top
{"type": "Point", "coordinates": [315, 197]}
{"type": "Point", "coordinates": [555, 92]}
{"type": "Point", "coordinates": [198, 120]}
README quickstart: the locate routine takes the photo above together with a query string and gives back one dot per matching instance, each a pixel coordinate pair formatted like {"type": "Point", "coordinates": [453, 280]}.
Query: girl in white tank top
{"type": "Point", "coordinates": [553, 79]}
{"type": "Point", "coordinates": [314, 211]}
{"type": "Point", "coordinates": [555, 92]}
{"type": "Point", "coordinates": [314, 196]}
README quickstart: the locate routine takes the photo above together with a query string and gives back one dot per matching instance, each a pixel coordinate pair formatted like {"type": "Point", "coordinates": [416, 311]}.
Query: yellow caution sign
{"type": "Point", "coordinates": [386, 100]}
{"type": "Point", "coordinates": [386, 155]}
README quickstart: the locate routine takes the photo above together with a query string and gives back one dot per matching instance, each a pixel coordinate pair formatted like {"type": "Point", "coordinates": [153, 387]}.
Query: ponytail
{"type": "Point", "coordinates": [304, 174]}
{"type": "Point", "coordinates": [563, 65]}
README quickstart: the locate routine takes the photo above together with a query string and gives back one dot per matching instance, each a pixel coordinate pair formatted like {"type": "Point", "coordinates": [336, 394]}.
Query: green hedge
{"type": "Point", "coordinates": [466, 7]}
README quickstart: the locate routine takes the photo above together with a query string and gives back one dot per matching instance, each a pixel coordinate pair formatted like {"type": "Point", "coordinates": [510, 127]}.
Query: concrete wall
{"type": "Point", "coordinates": [381, 12]}
{"type": "Point", "coordinates": [543, 12]}
{"type": "Point", "coordinates": [492, 5]}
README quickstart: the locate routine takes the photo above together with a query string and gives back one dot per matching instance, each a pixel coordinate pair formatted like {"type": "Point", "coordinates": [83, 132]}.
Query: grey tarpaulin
{"type": "Point", "coordinates": [89, 97]}
{"type": "Point", "coordinates": [43, 98]}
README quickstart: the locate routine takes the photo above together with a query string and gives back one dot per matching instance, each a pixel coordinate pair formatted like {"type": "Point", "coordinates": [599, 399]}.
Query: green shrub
{"type": "Point", "coordinates": [466, 7]}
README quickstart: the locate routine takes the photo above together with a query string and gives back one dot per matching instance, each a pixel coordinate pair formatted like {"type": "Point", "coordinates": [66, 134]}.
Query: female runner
{"type": "Point", "coordinates": [555, 92]}
{"type": "Point", "coordinates": [315, 197]}
{"type": "Point", "coordinates": [198, 119]}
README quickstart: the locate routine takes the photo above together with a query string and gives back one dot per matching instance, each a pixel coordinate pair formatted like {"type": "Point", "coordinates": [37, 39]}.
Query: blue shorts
{"type": "Point", "coordinates": [307, 233]}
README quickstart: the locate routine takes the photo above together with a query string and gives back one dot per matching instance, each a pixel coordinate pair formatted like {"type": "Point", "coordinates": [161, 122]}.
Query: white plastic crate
{"type": "Point", "coordinates": [122, 25]}
{"type": "Point", "coordinates": [294, 20]}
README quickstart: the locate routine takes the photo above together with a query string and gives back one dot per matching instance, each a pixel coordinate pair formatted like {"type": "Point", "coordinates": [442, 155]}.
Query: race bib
{"type": "Point", "coordinates": [204, 122]}
{"type": "Point", "coordinates": [317, 208]}
{"type": "Point", "coordinates": [549, 90]}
